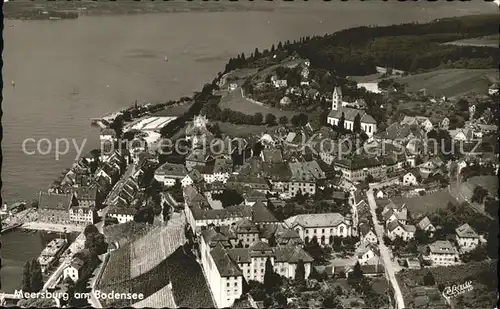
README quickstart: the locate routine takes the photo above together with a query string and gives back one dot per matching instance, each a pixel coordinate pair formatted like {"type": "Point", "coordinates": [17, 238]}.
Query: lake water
{"type": "Point", "coordinates": [17, 248]}
{"type": "Point", "coordinates": [69, 71]}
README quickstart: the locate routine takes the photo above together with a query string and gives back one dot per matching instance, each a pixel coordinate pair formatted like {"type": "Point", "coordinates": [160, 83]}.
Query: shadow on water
{"type": "Point", "coordinates": [18, 247]}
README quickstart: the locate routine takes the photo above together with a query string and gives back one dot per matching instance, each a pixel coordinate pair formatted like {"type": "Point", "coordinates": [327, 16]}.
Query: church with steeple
{"type": "Point", "coordinates": [368, 124]}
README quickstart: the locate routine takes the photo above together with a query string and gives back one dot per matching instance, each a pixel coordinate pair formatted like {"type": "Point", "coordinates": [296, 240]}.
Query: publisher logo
{"type": "Point", "coordinates": [455, 290]}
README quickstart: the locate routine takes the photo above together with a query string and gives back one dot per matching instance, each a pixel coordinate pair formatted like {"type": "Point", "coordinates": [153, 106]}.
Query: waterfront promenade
{"type": "Point", "coordinates": [66, 257]}
{"type": "Point", "coordinates": [52, 227]}
{"type": "Point", "coordinates": [18, 219]}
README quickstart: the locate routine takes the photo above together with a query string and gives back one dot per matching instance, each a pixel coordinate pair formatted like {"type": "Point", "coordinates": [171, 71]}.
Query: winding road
{"type": "Point", "coordinates": [384, 252]}
{"type": "Point", "coordinates": [455, 190]}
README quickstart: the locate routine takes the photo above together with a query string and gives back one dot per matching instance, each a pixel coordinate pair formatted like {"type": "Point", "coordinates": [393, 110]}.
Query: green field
{"type": "Point", "coordinates": [234, 101]}
{"type": "Point", "coordinates": [445, 82]}
{"type": "Point", "coordinates": [490, 183]}
{"type": "Point", "coordinates": [451, 82]}
{"type": "Point", "coordinates": [426, 203]}
{"type": "Point", "coordinates": [239, 75]}
{"type": "Point", "coordinates": [244, 130]}
{"type": "Point", "coordinates": [174, 111]}
{"type": "Point", "coordinates": [485, 41]}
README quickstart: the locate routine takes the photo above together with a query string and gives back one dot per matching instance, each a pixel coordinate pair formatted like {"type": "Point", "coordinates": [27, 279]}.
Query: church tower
{"type": "Point", "coordinates": [336, 98]}
{"type": "Point", "coordinates": [200, 121]}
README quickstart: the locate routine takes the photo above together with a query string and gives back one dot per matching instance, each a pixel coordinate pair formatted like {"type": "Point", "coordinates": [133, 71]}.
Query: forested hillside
{"type": "Point", "coordinates": [411, 47]}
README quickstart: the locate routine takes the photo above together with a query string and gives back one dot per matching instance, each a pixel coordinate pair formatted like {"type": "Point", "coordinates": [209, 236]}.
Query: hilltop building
{"type": "Point", "coordinates": [368, 124]}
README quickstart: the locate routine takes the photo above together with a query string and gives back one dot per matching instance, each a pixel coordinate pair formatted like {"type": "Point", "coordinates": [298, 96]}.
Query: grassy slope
{"type": "Point", "coordinates": [488, 41]}
{"type": "Point", "coordinates": [244, 130]}
{"type": "Point", "coordinates": [451, 82]}
{"type": "Point", "coordinates": [236, 102]}
{"type": "Point", "coordinates": [447, 82]}
{"type": "Point", "coordinates": [174, 111]}
{"type": "Point", "coordinates": [490, 183]}
{"type": "Point", "coordinates": [426, 203]}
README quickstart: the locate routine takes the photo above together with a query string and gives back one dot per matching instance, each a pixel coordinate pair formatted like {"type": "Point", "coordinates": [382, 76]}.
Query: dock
{"type": "Point", "coordinates": [10, 228]}
{"type": "Point", "coordinates": [53, 227]}
{"type": "Point", "coordinates": [98, 122]}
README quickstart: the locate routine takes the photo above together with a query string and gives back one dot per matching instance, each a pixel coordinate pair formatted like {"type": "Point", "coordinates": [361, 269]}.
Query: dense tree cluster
{"type": "Point", "coordinates": [229, 197]}
{"type": "Point", "coordinates": [429, 279]}
{"type": "Point", "coordinates": [215, 113]}
{"type": "Point", "coordinates": [409, 47]}
{"type": "Point", "coordinates": [200, 98]}
{"type": "Point", "coordinates": [95, 241]}
{"type": "Point", "coordinates": [455, 215]}
{"type": "Point", "coordinates": [479, 194]}
{"type": "Point", "coordinates": [32, 276]}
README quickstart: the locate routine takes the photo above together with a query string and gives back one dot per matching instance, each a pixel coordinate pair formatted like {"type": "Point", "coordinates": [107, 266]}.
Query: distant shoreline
{"type": "Point", "coordinates": [73, 10]}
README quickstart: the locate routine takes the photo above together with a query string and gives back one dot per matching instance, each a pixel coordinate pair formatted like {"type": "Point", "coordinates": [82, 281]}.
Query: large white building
{"type": "Point", "coordinates": [82, 214]}
{"type": "Point", "coordinates": [467, 238]}
{"type": "Point", "coordinates": [443, 253]}
{"type": "Point", "coordinates": [226, 267]}
{"type": "Point", "coordinates": [323, 226]}
{"type": "Point", "coordinates": [368, 124]}
{"type": "Point", "coordinates": [73, 270]}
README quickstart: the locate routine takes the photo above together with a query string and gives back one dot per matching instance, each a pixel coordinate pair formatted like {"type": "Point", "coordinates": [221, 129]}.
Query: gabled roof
{"type": "Point", "coordinates": [246, 226]}
{"type": "Point", "coordinates": [424, 223]}
{"type": "Point", "coordinates": [373, 269]}
{"type": "Point", "coordinates": [387, 213]}
{"type": "Point", "coordinates": [442, 247]}
{"type": "Point", "coordinates": [409, 228]}
{"type": "Point", "coordinates": [466, 231]}
{"type": "Point", "coordinates": [272, 155]}
{"type": "Point", "coordinates": [309, 171]}
{"type": "Point", "coordinates": [222, 165]}
{"type": "Point", "coordinates": [363, 209]}
{"type": "Point", "coordinates": [54, 201]}
{"type": "Point", "coordinates": [236, 211]}
{"type": "Point", "coordinates": [212, 237]}
{"type": "Point", "coordinates": [350, 114]}
{"type": "Point", "coordinates": [260, 214]}
{"type": "Point", "coordinates": [245, 302]}
{"type": "Point", "coordinates": [225, 265]}
{"type": "Point", "coordinates": [391, 226]}
{"type": "Point", "coordinates": [261, 248]}
{"type": "Point", "coordinates": [85, 192]}
{"type": "Point", "coordinates": [171, 169]}
{"type": "Point", "coordinates": [239, 255]}
{"type": "Point", "coordinates": [400, 212]}
{"type": "Point", "coordinates": [364, 248]}
{"type": "Point", "coordinates": [292, 255]}
{"type": "Point", "coordinates": [364, 229]}
{"type": "Point", "coordinates": [195, 176]}
{"type": "Point", "coordinates": [284, 234]}
{"type": "Point", "coordinates": [108, 131]}
{"type": "Point", "coordinates": [197, 156]}
{"type": "Point", "coordinates": [77, 263]}
{"type": "Point", "coordinates": [315, 220]}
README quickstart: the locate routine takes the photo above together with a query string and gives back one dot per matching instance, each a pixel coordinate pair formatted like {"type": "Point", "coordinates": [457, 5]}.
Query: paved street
{"type": "Point", "coordinates": [384, 252]}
